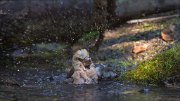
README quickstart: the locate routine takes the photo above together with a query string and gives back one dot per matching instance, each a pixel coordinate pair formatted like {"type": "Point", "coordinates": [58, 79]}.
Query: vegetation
{"type": "Point", "coordinates": [55, 59]}
{"type": "Point", "coordinates": [88, 36]}
{"type": "Point", "coordinates": [158, 69]}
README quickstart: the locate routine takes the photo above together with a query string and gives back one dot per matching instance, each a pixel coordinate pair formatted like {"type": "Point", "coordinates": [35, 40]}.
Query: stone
{"type": "Point", "coordinates": [173, 81]}
{"type": "Point", "coordinates": [104, 72]}
{"type": "Point", "coordinates": [144, 90]}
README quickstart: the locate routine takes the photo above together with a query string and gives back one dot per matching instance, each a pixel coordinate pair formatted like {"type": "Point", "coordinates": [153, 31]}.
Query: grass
{"type": "Point", "coordinates": [158, 69]}
{"type": "Point", "coordinates": [88, 36]}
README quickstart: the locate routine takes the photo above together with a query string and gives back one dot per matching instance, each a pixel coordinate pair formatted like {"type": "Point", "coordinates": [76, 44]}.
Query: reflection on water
{"type": "Point", "coordinates": [47, 85]}
{"type": "Point", "coordinates": [100, 92]}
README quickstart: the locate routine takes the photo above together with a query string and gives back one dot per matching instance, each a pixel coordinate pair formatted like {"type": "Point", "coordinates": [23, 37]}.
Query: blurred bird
{"type": "Point", "coordinates": [168, 33]}
{"type": "Point", "coordinates": [139, 47]}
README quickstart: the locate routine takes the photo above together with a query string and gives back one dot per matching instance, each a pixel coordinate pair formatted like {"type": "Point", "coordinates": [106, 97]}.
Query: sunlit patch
{"type": "Point", "coordinates": [110, 34]}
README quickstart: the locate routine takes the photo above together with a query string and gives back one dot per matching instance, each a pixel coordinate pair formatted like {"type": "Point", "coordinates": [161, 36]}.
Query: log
{"type": "Point", "coordinates": [153, 19]}
{"type": "Point", "coordinates": [136, 8]}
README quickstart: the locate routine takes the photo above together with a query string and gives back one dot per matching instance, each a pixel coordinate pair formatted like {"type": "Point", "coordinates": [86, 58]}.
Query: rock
{"type": "Point", "coordinates": [104, 72]}
{"type": "Point", "coordinates": [144, 90]}
{"type": "Point", "coordinates": [138, 48]}
{"type": "Point", "coordinates": [173, 81]}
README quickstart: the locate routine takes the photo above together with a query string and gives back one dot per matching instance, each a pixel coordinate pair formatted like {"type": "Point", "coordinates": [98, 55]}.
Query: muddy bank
{"type": "Point", "coordinates": [24, 23]}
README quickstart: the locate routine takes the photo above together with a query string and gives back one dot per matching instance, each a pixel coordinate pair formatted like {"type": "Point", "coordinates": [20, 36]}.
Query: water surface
{"type": "Point", "coordinates": [47, 85]}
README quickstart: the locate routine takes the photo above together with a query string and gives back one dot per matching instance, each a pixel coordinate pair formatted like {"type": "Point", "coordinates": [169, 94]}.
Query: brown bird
{"type": "Point", "coordinates": [168, 33]}
{"type": "Point", "coordinates": [138, 48]}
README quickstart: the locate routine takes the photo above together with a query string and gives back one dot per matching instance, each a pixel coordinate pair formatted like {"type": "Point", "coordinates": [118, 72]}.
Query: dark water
{"type": "Point", "coordinates": [47, 85]}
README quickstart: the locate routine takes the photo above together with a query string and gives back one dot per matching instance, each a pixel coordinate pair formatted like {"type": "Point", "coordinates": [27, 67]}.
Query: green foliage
{"type": "Point", "coordinates": [125, 64]}
{"type": "Point", "coordinates": [148, 26]}
{"type": "Point", "coordinates": [120, 64]}
{"type": "Point", "coordinates": [88, 36]}
{"type": "Point", "coordinates": [158, 69]}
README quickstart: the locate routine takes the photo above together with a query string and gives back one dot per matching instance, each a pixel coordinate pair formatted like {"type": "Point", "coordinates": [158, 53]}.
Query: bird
{"type": "Point", "coordinates": [139, 47]}
{"type": "Point", "coordinates": [167, 34]}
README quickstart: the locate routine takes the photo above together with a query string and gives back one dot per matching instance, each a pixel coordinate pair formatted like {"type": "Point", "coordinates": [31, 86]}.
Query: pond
{"type": "Point", "coordinates": [47, 85]}
{"type": "Point", "coordinates": [41, 31]}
